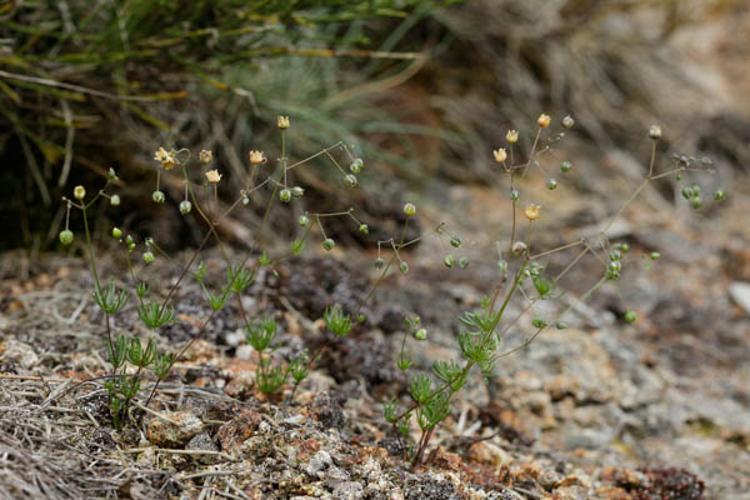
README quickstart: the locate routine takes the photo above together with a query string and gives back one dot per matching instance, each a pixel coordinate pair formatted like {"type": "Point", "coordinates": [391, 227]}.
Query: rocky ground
{"type": "Point", "coordinates": [656, 410]}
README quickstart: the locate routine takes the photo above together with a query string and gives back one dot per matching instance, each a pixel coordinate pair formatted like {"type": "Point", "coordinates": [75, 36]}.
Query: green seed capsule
{"type": "Point", "coordinates": [285, 195]}
{"type": "Point", "coordinates": [116, 233]}
{"type": "Point", "coordinates": [514, 194]}
{"type": "Point", "coordinates": [654, 256]}
{"type": "Point", "coordinates": [551, 184]}
{"type": "Point", "coordinates": [114, 200]}
{"type": "Point", "coordinates": [615, 255]}
{"type": "Point", "coordinates": [720, 195]}
{"type": "Point", "coordinates": [455, 242]}
{"type": "Point", "coordinates": [696, 202]}
{"type": "Point", "coordinates": [630, 317]}
{"type": "Point", "coordinates": [538, 323]}
{"type": "Point", "coordinates": [148, 257]}
{"type": "Point", "coordinates": [328, 244]}
{"type": "Point", "coordinates": [421, 334]}
{"type": "Point", "coordinates": [403, 267]}
{"type": "Point", "coordinates": [185, 207]}
{"type": "Point", "coordinates": [566, 166]}
{"type": "Point", "coordinates": [66, 237]}
{"type": "Point", "coordinates": [158, 197]}
{"type": "Point", "coordinates": [379, 263]}
{"type": "Point", "coordinates": [364, 229]}
{"type": "Point", "coordinates": [303, 220]}
{"type": "Point", "coordinates": [410, 210]}
{"type": "Point", "coordinates": [298, 192]}
{"type": "Point", "coordinates": [463, 262]}
{"type": "Point", "coordinates": [449, 261]}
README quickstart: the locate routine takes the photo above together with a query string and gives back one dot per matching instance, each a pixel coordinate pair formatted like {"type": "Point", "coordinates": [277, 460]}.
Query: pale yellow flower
{"type": "Point", "coordinates": [282, 122]}
{"type": "Point", "coordinates": [256, 157]}
{"type": "Point", "coordinates": [213, 176]}
{"type": "Point", "coordinates": [511, 136]}
{"type": "Point", "coordinates": [206, 156]}
{"type": "Point", "coordinates": [544, 120]}
{"type": "Point", "coordinates": [532, 211]}
{"type": "Point", "coordinates": [167, 159]}
{"type": "Point", "coordinates": [500, 155]}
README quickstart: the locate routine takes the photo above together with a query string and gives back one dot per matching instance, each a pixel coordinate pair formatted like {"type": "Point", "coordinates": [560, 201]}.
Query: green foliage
{"type": "Point", "coordinates": [260, 334]}
{"type": "Point", "coordinates": [337, 321]}
{"type": "Point", "coordinates": [110, 300]}
{"type": "Point", "coordinates": [155, 315]}
{"type": "Point", "coordinates": [434, 411]}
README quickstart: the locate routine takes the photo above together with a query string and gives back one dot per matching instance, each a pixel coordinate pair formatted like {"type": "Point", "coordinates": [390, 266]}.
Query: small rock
{"type": "Point", "coordinates": [318, 463]}
{"type": "Point", "coordinates": [13, 352]}
{"type": "Point", "coordinates": [244, 352]}
{"type": "Point", "coordinates": [233, 433]}
{"type": "Point", "coordinates": [740, 293]}
{"type": "Point", "coordinates": [488, 453]}
{"type": "Point", "coordinates": [203, 442]}
{"type": "Point", "coordinates": [348, 490]}
{"type": "Point", "coordinates": [181, 426]}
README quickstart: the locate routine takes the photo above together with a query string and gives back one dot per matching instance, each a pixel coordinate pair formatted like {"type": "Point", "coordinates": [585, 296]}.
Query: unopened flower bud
{"type": "Point", "coordinates": [551, 184]}
{"type": "Point", "coordinates": [351, 180]}
{"type": "Point", "coordinates": [364, 229]}
{"type": "Point", "coordinates": [379, 263]}
{"type": "Point", "coordinates": [654, 132]}
{"type": "Point", "coordinates": [116, 233]}
{"type": "Point", "coordinates": [206, 156]}
{"type": "Point", "coordinates": [356, 166]}
{"type": "Point", "coordinates": [148, 257]}
{"type": "Point", "coordinates": [566, 166]}
{"type": "Point", "coordinates": [282, 122]}
{"type": "Point", "coordinates": [514, 194]}
{"type": "Point", "coordinates": [568, 121]}
{"type": "Point", "coordinates": [519, 248]}
{"type": "Point", "coordinates": [303, 220]}
{"type": "Point", "coordinates": [158, 197]}
{"type": "Point", "coordinates": [114, 200]}
{"type": "Point", "coordinates": [285, 195]}
{"type": "Point", "coordinates": [328, 244]}
{"type": "Point", "coordinates": [420, 334]}
{"type": "Point", "coordinates": [185, 207]}
{"type": "Point", "coordinates": [410, 210]}
{"type": "Point", "coordinates": [298, 192]}
{"type": "Point", "coordinates": [79, 193]}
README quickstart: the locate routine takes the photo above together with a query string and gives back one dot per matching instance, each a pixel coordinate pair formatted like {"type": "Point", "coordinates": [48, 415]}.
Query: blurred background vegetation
{"type": "Point", "coordinates": [422, 89]}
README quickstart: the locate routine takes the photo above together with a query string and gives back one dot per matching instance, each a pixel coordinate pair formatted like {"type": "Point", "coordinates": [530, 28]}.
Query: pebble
{"type": "Point", "coordinates": [181, 426]}
{"type": "Point", "coordinates": [740, 293]}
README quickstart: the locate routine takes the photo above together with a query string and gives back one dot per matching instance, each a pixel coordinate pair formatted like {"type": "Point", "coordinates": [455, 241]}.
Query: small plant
{"type": "Point", "coordinates": [522, 273]}
{"type": "Point", "coordinates": [132, 359]}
